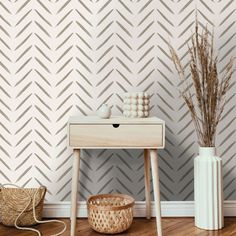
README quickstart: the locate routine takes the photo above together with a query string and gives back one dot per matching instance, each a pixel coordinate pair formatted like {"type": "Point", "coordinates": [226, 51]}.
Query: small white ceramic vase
{"type": "Point", "coordinates": [208, 190]}
{"type": "Point", "coordinates": [104, 111]}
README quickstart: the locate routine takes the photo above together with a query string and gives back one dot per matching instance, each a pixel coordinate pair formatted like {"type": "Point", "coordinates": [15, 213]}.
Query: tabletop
{"type": "Point", "coordinates": [114, 120]}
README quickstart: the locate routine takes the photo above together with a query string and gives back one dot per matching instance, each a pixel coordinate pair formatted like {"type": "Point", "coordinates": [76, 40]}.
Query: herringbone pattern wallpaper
{"type": "Point", "coordinates": [64, 57]}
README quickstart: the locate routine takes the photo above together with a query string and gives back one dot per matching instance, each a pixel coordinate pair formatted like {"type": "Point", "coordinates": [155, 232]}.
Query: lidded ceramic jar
{"type": "Point", "coordinates": [136, 104]}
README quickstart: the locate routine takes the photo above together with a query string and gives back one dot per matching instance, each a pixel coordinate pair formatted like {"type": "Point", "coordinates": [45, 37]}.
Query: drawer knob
{"type": "Point", "coordinates": [115, 125]}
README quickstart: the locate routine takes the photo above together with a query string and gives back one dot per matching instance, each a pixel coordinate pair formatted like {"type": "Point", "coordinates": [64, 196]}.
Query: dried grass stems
{"type": "Point", "coordinates": [206, 101]}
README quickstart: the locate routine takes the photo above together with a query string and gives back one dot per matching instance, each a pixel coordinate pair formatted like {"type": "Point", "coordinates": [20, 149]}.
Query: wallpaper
{"type": "Point", "coordinates": [65, 57]}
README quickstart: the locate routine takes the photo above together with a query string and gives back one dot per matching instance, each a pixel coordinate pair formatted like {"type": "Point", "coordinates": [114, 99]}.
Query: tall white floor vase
{"type": "Point", "coordinates": [208, 190]}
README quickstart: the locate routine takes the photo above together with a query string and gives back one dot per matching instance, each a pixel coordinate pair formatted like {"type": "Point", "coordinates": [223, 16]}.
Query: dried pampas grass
{"type": "Point", "coordinates": [206, 101]}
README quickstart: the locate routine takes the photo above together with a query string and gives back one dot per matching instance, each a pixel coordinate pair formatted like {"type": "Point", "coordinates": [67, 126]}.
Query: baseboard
{"type": "Point", "coordinates": [169, 209]}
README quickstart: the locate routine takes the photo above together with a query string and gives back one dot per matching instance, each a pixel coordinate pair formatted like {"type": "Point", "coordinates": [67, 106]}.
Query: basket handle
{"type": "Point", "coordinates": [47, 221]}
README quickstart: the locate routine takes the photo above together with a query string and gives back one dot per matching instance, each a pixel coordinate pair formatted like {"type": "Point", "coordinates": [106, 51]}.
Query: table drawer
{"type": "Point", "coordinates": [123, 135]}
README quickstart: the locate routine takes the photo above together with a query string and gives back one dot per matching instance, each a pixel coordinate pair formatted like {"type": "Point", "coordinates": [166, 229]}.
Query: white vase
{"type": "Point", "coordinates": [104, 111]}
{"type": "Point", "coordinates": [208, 190]}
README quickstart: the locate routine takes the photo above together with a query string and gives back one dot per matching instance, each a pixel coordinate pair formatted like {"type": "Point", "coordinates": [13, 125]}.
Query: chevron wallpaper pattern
{"type": "Point", "coordinates": [65, 57]}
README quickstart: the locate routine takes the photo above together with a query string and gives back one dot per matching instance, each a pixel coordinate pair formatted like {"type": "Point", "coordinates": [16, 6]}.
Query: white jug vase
{"type": "Point", "coordinates": [208, 190]}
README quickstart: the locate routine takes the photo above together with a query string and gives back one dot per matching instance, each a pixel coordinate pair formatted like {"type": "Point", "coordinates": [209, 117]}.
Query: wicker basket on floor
{"type": "Point", "coordinates": [14, 200]}
{"type": "Point", "coordinates": [110, 213]}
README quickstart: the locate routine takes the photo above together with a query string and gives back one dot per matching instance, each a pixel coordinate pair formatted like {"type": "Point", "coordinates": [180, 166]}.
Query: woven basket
{"type": "Point", "coordinates": [110, 213]}
{"type": "Point", "coordinates": [14, 200]}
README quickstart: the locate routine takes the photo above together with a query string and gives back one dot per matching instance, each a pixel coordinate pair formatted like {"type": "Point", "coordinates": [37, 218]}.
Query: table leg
{"type": "Point", "coordinates": [74, 190]}
{"type": "Point", "coordinates": [147, 183]}
{"type": "Point", "coordinates": [156, 189]}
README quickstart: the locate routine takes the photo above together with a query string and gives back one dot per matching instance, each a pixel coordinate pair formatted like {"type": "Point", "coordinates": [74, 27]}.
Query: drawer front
{"type": "Point", "coordinates": [126, 136]}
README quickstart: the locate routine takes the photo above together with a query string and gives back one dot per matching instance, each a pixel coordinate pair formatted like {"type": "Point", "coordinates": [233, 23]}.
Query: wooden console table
{"type": "Point", "coordinates": [91, 132]}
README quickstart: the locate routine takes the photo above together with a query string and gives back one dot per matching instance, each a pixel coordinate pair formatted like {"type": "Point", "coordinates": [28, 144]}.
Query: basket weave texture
{"type": "Point", "coordinates": [14, 200]}
{"type": "Point", "coordinates": [110, 213]}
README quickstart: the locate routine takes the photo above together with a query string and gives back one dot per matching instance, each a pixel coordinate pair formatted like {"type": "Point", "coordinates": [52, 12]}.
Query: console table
{"type": "Point", "coordinates": [91, 132]}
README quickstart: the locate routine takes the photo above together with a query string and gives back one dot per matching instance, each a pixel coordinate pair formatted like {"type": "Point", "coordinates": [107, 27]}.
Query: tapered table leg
{"type": "Point", "coordinates": [74, 191]}
{"type": "Point", "coordinates": [156, 189]}
{"type": "Point", "coordinates": [147, 183]}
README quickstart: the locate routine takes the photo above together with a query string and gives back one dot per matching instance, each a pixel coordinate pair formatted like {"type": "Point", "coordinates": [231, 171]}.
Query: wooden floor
{"type": "Point", "coordinates": [140, 227]}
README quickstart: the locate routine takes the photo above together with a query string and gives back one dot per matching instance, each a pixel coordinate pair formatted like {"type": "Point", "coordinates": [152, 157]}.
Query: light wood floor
{"type": "Point", "coordinates": [140, 227]}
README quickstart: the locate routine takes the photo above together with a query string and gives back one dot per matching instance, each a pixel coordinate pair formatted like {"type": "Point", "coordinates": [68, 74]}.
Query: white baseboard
{"type": "Point", "coordinates": [169, 209]}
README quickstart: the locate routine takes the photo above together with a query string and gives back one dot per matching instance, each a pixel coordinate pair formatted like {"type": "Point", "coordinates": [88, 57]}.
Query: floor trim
{"type": "Point", "coordinates": [169, 209]}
